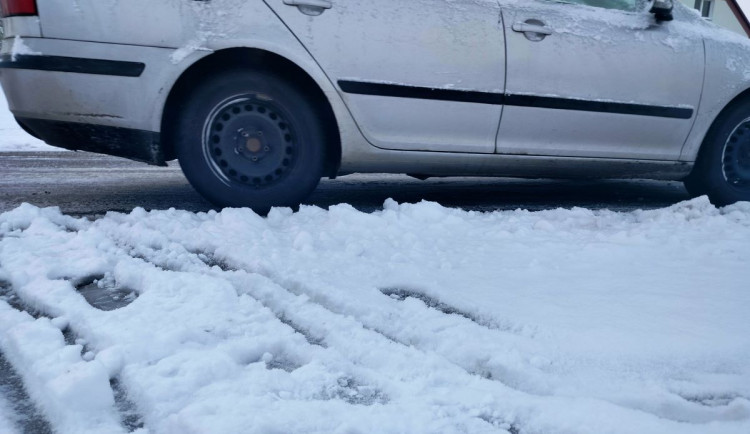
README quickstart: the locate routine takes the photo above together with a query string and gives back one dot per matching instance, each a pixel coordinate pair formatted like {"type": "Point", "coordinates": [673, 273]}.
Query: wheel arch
{"type": "Point", "coordinates": [252, 58]}
{"type": "Point", "coordinates": [740, 98]}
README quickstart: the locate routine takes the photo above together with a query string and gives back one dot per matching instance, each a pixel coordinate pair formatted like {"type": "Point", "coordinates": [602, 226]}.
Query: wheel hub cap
{"type": "Point", "coordinates": [736, 157]}
{"type": "Point", "coordinates": [249, 141]}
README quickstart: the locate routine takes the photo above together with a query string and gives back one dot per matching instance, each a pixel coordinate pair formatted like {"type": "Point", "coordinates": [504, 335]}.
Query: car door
{"type": "Point", "coordinates": [416, 75]}
{"type": "Point", "coordinates": [598, 80]}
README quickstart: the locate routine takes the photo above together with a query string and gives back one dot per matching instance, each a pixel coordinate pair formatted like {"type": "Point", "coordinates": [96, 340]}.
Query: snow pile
{"type": "Point", "coordinates": [13, 137]}
{"type": "Point", "coordinates": [414, 319]}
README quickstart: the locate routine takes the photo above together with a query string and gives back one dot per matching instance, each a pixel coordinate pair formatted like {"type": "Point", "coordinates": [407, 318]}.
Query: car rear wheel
{"type": "Point", "coordinates": [250, 139]}
{"type": "Point", "coordinates": [722, 170]}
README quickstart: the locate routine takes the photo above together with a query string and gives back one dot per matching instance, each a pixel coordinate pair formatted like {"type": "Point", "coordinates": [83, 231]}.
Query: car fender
{"type": "Point", "coordinates": [267, 33]}
{"type": "Point", "coordinates": [727, 77]}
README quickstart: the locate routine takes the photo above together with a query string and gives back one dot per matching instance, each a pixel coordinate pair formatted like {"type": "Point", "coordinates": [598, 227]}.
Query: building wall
{"type": "Point", "coordinates": [723, 16]}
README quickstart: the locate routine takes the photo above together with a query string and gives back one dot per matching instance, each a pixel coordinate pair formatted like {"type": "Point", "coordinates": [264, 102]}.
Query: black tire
{"type": "Point", "coordinates": [722, 170]}
{"type": "Point", "coordinates": [250, 139]}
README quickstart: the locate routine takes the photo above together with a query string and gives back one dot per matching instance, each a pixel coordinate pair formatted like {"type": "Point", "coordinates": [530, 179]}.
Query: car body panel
{"type": "Point", "coordinates": [22, 26]}
{"type": "Point", "coordinates": [455, 45]}
{"type": "Point", "coordinates": [131, 22]}
{"type": "Point", "coordinates": [125, 102]}
{"type": "Point", "coordinates": [141, 107]}
{"type": "Point", "coordinates": [632, 63]}
{"type": "Point", "coordinates": [727, 77]}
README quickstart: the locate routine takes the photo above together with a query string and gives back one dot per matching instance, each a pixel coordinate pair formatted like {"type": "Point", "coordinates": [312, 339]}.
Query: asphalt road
{"type": "Point", "coordinates": [90, 185]}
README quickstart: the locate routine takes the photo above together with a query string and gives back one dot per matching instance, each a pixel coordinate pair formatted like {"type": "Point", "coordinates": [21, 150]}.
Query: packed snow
{"type": "Point", "coordinates": [416, 318]}
{"type": "Point", "coordinates": [13, 137]}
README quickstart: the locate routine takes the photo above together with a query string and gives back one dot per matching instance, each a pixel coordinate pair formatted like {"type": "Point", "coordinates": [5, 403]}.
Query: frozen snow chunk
{"type": "Point", "coordinates": [303, 242]}
{"type": "Point", "coordinates": [544, 225]}
{"type": "Point", "coordinates": [390, 205]}
{"type": "Point", "coordinates": [349, 390]}
{"type": "Point", "coordinates": [111, 359]}
{"type": "Point", "coordinates": [60, 322]}
{"type": "Point", "coordinates": [279, 362]}
{"type": "Point", "coordinates": [84, 387]}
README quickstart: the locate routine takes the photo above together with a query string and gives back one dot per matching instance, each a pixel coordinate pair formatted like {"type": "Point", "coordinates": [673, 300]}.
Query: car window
{"type": "Point", "coordinates": [623, 5]}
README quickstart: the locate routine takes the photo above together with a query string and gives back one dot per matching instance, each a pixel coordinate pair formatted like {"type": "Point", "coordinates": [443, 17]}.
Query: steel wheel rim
{"type": "Point", "coordinates": [735, 158]}
{"type": "Point", "coordinates": [249, 141]}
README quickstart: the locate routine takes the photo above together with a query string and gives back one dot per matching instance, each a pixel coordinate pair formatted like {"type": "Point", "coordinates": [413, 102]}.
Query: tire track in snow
{"type": "Point", "coordinates": [149, 255]}
{"type": "Point", "coordinates": [332, 307]}
{"type": "Point", "coordinates": [476, 367]}
{"type": "Point", "coordinates": [479, 365]}
{"type": "Point", "coordinates": [9, 296]}
{"type": "Point", "coordinates": [130, 419]}
{"type": "Point", "coordinates": [282, 313]}
{"type": "Point", "coordinates": [292, 313]}
{"type": "Point", "coordinates": [347, 388]}
{"type": "Point", "coordinates": [339, 331]}
{"type": "Point", "coordinates": [27, 417]}
{"type": "Point", "coordinates": [353, 389]}
{"type": "Point", "coordinates": [318, 337]}
{"type": "Point", "coordinates": [107, 298]}
{"type": "Point", "coordinates": [402, 294]}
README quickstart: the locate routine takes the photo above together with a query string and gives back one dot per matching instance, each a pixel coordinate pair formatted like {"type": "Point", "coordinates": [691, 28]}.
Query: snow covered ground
{"type": "Point", "coordinates": [413, 319]}
{"type": "Point", "coordinates": [7, 422]}
{"type": "Point", "coordinates": [12, 137]}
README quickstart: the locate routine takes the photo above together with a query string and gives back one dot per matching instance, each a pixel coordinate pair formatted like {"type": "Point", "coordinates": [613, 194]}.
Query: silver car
{"type": "Point", "coordinates": [258, 99]}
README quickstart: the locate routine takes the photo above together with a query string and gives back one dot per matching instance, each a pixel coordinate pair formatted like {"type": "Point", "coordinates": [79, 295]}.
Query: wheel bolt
{"type": "Point", "coordinates": [266, 149]}
{"type": "Point", "coordinates": [255, 159]}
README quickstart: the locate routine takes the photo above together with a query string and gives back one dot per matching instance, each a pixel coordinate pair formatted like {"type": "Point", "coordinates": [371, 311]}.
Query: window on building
{"type": "Point", "coordinates": [706, 8]}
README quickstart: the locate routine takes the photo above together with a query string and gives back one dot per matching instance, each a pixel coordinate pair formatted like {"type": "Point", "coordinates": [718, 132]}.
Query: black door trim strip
{"type": "Point", "coordinates": [598, 106]}
{"type": "Point", "coordinates": [402, 91]}
{"type": "Point", "coordinates": [73, 64]}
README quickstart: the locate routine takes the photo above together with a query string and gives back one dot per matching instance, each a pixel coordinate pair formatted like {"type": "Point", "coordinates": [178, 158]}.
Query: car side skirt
{"type": "Point", "coordinates": [444, 164]}
{"type": "Point", "coordinates": [145, 146]}
{"type": "Point", "coordinates": [128, 143]}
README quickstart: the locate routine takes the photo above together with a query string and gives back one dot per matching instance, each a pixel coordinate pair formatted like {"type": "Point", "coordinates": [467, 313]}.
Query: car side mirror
{"type": "Point", "coordinates": [662, 10]}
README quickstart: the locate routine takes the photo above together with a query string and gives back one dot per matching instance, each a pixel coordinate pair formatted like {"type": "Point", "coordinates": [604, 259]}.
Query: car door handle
{"type": "Point", "coordinates": [539, 29]}
{"type": "Point", "coordinates": [312, 4]}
